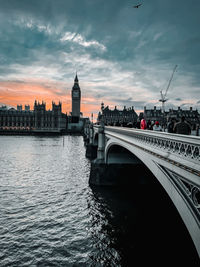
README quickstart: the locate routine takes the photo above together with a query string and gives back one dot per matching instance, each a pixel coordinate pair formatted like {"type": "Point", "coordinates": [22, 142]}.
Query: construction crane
{"type": "Point", "coordinates": [163, 96]}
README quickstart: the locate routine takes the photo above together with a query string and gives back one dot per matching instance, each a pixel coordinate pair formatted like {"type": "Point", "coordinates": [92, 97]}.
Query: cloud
{"type": "Point", "coordinates": [79, 39]}
{"type": "Point", "coordinates": [157, 36]}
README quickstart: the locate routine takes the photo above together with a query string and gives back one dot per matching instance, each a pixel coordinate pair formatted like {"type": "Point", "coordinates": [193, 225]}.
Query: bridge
{"type": "Point", "coordinates": [174, 160]}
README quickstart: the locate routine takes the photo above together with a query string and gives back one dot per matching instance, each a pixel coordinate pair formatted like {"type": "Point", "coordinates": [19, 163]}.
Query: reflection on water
{"type": "Point", "coordinates": [132, 227]}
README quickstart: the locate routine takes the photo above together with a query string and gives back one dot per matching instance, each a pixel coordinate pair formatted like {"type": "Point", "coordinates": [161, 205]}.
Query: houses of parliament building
{"type": "Point", "coordinates": [40, 119]}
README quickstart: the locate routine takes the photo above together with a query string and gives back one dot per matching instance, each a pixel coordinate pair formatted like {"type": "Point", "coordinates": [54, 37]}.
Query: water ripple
{"type": "Point", "coordinates": [49, 216]}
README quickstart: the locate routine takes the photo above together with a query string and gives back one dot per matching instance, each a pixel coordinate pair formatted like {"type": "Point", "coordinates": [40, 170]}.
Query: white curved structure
{"type": "Point", "coordinates": [173, 159]}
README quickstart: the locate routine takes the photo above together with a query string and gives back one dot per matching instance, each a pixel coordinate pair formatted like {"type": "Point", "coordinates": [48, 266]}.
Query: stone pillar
{"type": "Point", "coordinates": [91, 134]}
{"type": "Point", "coordinates": [91, 149]}
{"type": "Point", "coordinates": [101, 143]}
{"type": "Point", "coordinates": [88, 133]}
{"type": "Point", "coordinates": [98, 166]}
{"type": "Point", "coordinates": [85, 133]}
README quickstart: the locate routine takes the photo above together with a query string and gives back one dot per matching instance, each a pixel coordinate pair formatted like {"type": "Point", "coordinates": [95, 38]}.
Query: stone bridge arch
{"type": "Point", "coordinates": [168, 179]}
{"type": "Point", "coordinates": [116, 153]}
{"type": "Point", "coordinates": [172, 159]}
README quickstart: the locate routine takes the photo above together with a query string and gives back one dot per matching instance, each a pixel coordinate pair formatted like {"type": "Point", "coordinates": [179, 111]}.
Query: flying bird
{"type": "Point", "coordinates": [136, 6]}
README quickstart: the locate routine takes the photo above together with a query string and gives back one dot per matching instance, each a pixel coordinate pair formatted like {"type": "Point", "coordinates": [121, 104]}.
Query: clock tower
{"type": "Point", "coordinates": [76, 99]}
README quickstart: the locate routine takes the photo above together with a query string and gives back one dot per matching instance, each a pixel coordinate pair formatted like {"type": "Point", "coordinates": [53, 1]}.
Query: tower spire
{"type": "Point", "coordinates": [76, 78]}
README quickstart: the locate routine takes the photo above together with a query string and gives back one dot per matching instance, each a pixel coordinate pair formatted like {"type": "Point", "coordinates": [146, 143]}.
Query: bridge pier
{"type": "Point", "coordinates": [86, 135]}
{"type": "Point", "coordinates": [98, 166]}
{"type": "Point", "coordinates": [101, 144]}
{"type": "Point", "coordinates": [91, 149]}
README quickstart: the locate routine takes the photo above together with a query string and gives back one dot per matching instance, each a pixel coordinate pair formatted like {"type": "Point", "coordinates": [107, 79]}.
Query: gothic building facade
{"type": "Point", "coordinates": [37, 120]}
{"type": "Point", "coordinates": [125, 117]}
{"type": "Point", "coordinates": [42, 120]}
{"type": "Point", "coordinates": [12, 119]}
{"type": "Point", "coordinates": [153, 115]}
{"type": "Point", "coordinates": [191, 116]}
{"type": "Point", "coordinates": [49, 120]}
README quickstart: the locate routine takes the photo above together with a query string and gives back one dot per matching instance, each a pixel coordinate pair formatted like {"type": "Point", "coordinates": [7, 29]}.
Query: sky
{"type": "Point", "coordinates": [123, 56]}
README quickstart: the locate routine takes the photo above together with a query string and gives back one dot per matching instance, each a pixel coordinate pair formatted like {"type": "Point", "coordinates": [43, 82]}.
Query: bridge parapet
{"type": "Point", "coordinates": [170, 146]}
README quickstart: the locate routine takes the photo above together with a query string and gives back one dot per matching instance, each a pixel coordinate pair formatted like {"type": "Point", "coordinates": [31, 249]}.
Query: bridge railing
{"type": "Point", "coordinates": [181, 145]}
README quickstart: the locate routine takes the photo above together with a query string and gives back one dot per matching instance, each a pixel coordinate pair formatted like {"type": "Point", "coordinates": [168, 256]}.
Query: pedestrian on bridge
{"type": "Point", "coordinates": [157, 127]}
{"type": "Point", "coordinates": [182, 127]}
{"type": "Point", "coordinates": [170, 125]}
{"type": "Point", "coordinates": [143, 124]}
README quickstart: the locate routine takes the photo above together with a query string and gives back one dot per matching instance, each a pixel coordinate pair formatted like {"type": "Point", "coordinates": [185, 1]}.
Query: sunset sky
{"type": "Point", "coordinates": [123, 56]}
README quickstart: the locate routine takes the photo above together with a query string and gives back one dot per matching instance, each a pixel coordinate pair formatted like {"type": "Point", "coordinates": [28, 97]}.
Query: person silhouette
{"type": "Point", "coordinates": [182, 127]}
{"type": "Point", "coordinates": [143, 124]}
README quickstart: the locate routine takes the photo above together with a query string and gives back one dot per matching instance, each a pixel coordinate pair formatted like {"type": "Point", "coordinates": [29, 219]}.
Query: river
{"type": "Point", "coordinates": [50, 216]}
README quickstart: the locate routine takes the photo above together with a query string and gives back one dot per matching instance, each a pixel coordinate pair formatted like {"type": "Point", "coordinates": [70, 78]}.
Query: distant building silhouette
{"type": "Point", "coordinates": [191, 116]}
{"type": "Point", "coordinates": [37, 120]}
{"type": "Point", "coordinates": [125, 117]}
{"type": "Point", "coordinates": [49, 120]}
{"type": "Point", "coordinates": [153, 115]}
{"type": "Point", "coordinates": [27, 107]}
{"type": "Point", "coordinates": [3, 108]}
{"type": "Point", "coordinates": [40, 120]}
{"type": "Point", "coordinates": [128, 116]}
{"type": "Point", "coordinates": [19, 107]}
{"type": "Point", "coordinates": [75, 120]}
{"type": "Point", "coordinates": [76, 100]}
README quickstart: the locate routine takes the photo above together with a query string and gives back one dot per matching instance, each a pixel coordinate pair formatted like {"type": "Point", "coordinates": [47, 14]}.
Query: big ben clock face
{"type": "Point", "coordinates": [75, 94]}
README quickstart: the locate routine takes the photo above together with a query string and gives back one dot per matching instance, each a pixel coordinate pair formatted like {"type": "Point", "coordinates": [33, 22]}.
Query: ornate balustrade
{"type": "Point", "coordinates": [187, 147]}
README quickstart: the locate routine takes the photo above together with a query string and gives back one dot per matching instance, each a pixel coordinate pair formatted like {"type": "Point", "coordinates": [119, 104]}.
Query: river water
{"type": "Point", "coordinates": [50, 216]}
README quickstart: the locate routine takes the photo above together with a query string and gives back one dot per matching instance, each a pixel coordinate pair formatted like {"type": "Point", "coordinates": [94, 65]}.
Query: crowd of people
{"type": "Point", "coordinates": [180, 127]}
